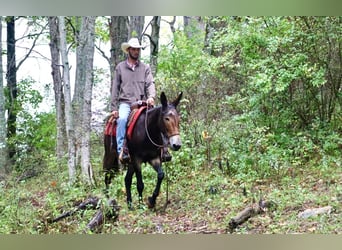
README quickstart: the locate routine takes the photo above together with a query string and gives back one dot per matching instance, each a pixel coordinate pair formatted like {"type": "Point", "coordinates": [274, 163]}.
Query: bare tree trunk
{"type": "Point", "coordinates": [154, 43]}
{"type": "Point", "coordinates": [61, 146]}
{"type": "Point", "coordinates": [68, 107]}
{"type": "Point", "coordinates": [3, 145]}
{"type": "Point", "coordinates": [12, 86]}
{"type": "Point", "coordinates": [84, 85]}
{"type": "Point", "coordinates": [136, 26]}
{"type": "Point", "coordinates": [118, 31]}
{"type": "Point", "coordinates": [172, 24]}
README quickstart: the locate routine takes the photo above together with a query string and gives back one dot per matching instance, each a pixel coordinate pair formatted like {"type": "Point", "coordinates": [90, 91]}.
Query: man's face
{"type": "Point", "coordinates": [134, 53]}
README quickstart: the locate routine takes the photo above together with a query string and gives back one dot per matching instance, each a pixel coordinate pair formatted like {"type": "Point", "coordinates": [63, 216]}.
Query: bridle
{"type": "Point", "coordinates": [148, 134]}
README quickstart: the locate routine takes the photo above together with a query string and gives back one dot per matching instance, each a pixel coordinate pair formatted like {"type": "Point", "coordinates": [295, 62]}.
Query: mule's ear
{"type": "Point", "coordinates": [163, 99]}
{"type": "Point", "coordinates": [177, 100]}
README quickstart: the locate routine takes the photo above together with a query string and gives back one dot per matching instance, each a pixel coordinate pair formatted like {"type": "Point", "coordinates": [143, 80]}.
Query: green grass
{"type": "Point", "coordinates": [201, 200]}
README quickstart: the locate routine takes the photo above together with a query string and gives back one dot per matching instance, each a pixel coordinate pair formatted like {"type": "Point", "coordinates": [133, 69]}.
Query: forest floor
{"type": "Point", "coordinates": [201, 201]}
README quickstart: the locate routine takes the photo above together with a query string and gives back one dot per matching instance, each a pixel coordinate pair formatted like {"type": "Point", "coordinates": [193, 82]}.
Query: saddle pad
{"type": "Point", "coordinates": [133, 120]}
{"type": "Point", "coordinates": [110, 126]}
{"type": "Point", "coordinates": [111, 123]}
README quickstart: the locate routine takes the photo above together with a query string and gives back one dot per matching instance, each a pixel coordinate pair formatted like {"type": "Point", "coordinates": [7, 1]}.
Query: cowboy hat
{"type": "Point", "coordinates": [133, 42]}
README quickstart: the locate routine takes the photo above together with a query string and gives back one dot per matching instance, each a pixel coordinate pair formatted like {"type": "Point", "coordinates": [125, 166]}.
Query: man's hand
{"type": "Point", "coordinates": [150, 101]}
{"type": "Point", "coordinates": [115, 113]}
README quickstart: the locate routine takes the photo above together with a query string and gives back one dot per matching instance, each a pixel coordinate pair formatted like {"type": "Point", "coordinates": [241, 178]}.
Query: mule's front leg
{"type": "Point", "coordinates": [160, 174]}
{"type": "Point", "coordinates": [128, 184]}
{"type": "Point", "coordinates": [140, 186]}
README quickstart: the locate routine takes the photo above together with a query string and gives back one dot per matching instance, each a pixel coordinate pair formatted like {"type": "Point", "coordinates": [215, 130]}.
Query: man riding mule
{"type": "Point", "coordinates": [155, 128]}
{"type": "Point", "coordinates": [133, 82]}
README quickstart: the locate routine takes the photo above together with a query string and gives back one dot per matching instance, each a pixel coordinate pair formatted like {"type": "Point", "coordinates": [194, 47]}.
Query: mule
{"type": "Point", "coordinates": [156, 128]}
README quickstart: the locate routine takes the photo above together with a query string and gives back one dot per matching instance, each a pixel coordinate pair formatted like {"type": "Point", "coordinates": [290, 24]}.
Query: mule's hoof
{"type": "Point", "coordinates": [130, 206]}
{"type": "Point", "coordinates": [141, 205]}
{"type": "Point", "coordinates": [150, 202]}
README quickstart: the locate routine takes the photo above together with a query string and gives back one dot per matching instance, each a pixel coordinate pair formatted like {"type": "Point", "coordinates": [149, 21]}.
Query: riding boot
{"type": "Point", "coordinates": [166, 155]}
{"type": "Point", "coordinates": [124, 156]}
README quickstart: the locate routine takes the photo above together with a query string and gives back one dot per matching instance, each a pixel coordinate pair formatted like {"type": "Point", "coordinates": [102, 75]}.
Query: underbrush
{"type": "Point", "coordinates": [200, 200]}
{"type": "Point", "coordinates": [295, 172]}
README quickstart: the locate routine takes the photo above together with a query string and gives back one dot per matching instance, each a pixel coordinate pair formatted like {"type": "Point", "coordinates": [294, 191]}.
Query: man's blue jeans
{"type": "Point", "coordinates": [124, 110]}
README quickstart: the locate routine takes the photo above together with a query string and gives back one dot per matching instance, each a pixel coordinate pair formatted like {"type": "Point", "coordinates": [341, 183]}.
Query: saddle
{"type": "Point", "coordinates": [136, 109]}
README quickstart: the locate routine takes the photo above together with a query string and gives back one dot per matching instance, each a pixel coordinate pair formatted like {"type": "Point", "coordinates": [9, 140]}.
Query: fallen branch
{"type": "Point", "coordinates": [248, 212]}
{"type": "Point", "coordinates": [98, 219]}
{"type": "Point", "coordinates": [111, 211]}
{"type": "Point", "coordinates": [90, 203]}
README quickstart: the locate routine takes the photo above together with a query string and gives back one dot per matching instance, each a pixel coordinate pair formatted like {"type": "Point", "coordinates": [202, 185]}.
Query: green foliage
{"type": "Point", "coordinates": [101, 29]}
{"type": "Point", "coordinates": [263, 93]}
{"type": "Point", "coordinates": [179, 62]}
{"type": "Point", "coordinates": [36, 132]}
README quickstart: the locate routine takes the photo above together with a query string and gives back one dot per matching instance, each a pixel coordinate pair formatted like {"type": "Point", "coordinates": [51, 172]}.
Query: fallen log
{"type": "Point", "coordinates": [248, 212]}
{"type": "Point", "coordinates": [91, 203]}
{"type": "Point", "coordinates": [110, 211]}
{"type": "Point", "coordinates": [96, 222]}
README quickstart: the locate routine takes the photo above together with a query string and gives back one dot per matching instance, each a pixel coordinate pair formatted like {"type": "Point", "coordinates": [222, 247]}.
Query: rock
{"type": "Point", "coordinates": [314, 212]}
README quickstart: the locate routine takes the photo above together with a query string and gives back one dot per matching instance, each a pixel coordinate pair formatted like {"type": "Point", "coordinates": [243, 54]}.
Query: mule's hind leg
{"type": "Point", "coordinates": [160, 176]}
{"type": "Point", "coordinates": [110, 161]}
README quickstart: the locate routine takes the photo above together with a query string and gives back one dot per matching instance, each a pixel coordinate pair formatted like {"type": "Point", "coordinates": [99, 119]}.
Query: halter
{"type": "Point", "coordinates": [149, 137]}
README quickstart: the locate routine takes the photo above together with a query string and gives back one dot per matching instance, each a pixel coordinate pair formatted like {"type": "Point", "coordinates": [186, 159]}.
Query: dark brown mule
{"type": "Point", "coordinates": [155, 128]}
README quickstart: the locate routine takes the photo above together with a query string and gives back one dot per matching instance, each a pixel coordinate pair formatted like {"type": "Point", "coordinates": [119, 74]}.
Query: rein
{"type": "Point", "coordinates": [148, 134]}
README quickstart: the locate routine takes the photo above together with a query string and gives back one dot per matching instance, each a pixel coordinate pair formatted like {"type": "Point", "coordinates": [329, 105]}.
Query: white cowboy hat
{"type": "Point", "coordinates": [133, 42]}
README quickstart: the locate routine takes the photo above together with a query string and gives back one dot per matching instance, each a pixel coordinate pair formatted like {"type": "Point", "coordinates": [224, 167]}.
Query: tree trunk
{"type": "Point", "coordinates": [172, 24]}
{"type": "Point", "coordinates": [68, 107]}
{"type": "Point", "coordinates": [83, 93]}
{"type": "Point", "coordinates": [61, 146]}
{"type": "Point", "coordinates": [3, 145]}
{"type": "Point", "coordinates": [12, 86]}
{"type": "Point", "coordinates": [154, 43]}
{"type": "Point", "coordinates": [136, 27]}
{"type": "Point", "coordinates": [118, 31]}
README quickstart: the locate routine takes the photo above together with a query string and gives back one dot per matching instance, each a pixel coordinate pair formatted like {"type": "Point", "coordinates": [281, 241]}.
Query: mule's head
{"type": "Point", "coordinates": [170, 120]}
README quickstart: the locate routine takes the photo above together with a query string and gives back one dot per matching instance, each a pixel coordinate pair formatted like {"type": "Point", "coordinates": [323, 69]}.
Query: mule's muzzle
{"type": "Point", "coordinates": [176, 147]}
{"type": "Point", "coordinates": [175, 142]}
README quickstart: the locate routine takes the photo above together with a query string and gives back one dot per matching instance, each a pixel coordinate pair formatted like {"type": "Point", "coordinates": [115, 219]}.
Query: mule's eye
{"type": "Point", "coordinates": [167, 119]}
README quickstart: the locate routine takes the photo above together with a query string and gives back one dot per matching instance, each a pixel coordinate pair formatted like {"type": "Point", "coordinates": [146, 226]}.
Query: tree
{"type": "Point", "coordinates": [61, 145]}
{"type": "Point", "coordinates": [154, 43]}
{"type": "Point", "coordinates": [77, 107]}
{"type": "Point", "coordinates": [118, 31]}
{"type": "Point", "coordinates": [11, 76]}
{"type": "Point", "coordinates": [69, 123]}
{"type": "Point", "coordinates": [136, 27]}
{"type": "Point", "coordinates": [3, 145]}
{"type": "Point", "coordinates": [83, 93]}
{"type": "Point", "coordinates": [172, 24]}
